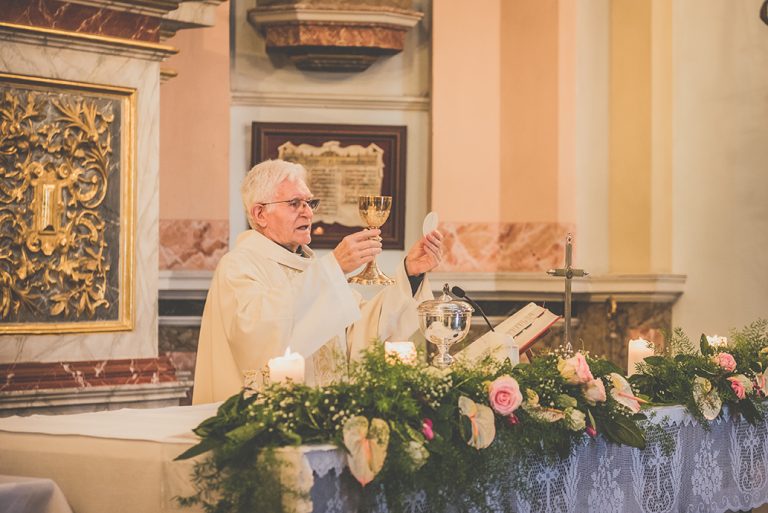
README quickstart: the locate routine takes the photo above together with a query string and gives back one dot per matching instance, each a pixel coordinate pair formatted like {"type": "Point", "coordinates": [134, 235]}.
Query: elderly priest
{"type": "Point", "coordinates": [270, 292]}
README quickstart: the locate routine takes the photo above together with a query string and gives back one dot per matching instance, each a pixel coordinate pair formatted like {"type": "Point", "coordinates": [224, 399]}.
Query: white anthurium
{"type": "Point", "coordinates": [622, 393]}
{"type": "Point", "coordinates": [367, 446]}
{"type": "Point", "coordinates": [482, 420]}
{"type": "Point", "coordinates": [706, 398]}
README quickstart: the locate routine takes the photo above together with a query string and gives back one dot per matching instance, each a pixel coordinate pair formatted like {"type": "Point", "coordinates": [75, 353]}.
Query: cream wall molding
{"type": "Point", "coordinates": [85, 42]}
{"type": "Point", "coordinates": [184, 281]}
{"type": "Point", "coordinates": [325, 101]}
{"type": "Point", "coordinates": [664, 288]}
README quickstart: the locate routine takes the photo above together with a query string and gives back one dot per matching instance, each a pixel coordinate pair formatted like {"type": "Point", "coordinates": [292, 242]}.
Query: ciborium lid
{"type": "Point", "coordinates": [445, 305]}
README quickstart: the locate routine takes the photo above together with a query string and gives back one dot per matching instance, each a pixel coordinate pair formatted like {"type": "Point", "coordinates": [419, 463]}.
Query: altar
{"type": "Point", "coordinates": [122, 461]}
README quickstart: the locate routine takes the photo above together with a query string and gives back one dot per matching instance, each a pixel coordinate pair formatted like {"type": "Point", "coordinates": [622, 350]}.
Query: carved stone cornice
{"type": "Point", "coordinates": [190, 14]}
{"type": "Point", "coordinates": [86, 42]}
{"type": "Point", "coordinates": [334, 36]}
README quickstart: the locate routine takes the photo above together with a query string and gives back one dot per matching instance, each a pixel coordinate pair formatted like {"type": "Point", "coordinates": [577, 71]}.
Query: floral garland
{"type": "Point", "coordinates": [402, 423]}
{"type": "Point", "coordinates": [706, 377]}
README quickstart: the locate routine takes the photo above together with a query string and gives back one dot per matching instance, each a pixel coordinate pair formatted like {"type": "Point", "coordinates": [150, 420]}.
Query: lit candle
{"type": "Point", "coordinates": [503, 345]}
{"type": "Point", "coordinates": [716, 341]}
{"type": "Point", "coordinates": [289, 366]}
{"type": "Point", "coordinates": [404, 351]}
{"type": "Point", "coordinates": [638, 351]}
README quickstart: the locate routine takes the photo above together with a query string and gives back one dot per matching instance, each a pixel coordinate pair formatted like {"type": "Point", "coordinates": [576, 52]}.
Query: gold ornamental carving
{"type": "Point", "coordinates": [66, 208]}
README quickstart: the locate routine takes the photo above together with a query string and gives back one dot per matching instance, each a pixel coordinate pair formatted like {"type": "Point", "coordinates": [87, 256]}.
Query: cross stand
{"type": "Point", "coordinates": [568, 273]}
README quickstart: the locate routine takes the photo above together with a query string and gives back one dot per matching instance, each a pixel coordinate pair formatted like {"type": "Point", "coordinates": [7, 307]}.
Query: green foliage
{"type": "Point", "coordinates": [669, 378]}
{"type": "Point", "coordinates": [240, 472]}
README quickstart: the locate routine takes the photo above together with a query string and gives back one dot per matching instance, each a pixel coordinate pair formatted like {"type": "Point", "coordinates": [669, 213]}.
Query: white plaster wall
{"type": "Point", "coordinates": [720, 161]}
{"type": "Point", "coordinates": [273, 90]}
{"type": "Point", "coordinates": [116, 70]}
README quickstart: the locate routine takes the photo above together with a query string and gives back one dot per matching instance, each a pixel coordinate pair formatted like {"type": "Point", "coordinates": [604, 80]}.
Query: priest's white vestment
{"type": "Point", "coordinates": [263, 299]}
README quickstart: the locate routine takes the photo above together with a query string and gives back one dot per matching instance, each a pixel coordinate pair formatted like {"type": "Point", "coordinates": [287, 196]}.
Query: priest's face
{"type": "Point", "coordinates": [285, 223]}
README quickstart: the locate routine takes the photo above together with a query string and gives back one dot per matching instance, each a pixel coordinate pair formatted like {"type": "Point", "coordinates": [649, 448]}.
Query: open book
{"type": "Point", "coordinates": [525, 326]}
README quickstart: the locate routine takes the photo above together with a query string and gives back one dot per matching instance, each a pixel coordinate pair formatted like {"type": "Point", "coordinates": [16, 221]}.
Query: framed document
{"type": "Point", "coordinates": [342, 163]}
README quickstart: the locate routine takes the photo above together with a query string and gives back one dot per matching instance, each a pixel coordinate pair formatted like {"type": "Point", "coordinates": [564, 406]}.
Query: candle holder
{"type": "Point", "coordinates": [374, 210]}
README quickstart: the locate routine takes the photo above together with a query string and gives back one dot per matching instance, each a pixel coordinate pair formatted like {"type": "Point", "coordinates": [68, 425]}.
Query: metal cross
{"type": "Point", "coordinates": [568, 273]}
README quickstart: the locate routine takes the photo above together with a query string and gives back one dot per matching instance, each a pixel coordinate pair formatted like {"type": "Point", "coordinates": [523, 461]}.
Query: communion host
{"type": "Point", "coordinates": [270, 292]}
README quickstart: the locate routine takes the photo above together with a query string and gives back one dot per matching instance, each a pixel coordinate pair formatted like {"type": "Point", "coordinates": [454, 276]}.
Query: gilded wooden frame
{"type": "Point", "coordinates": [76, 109]}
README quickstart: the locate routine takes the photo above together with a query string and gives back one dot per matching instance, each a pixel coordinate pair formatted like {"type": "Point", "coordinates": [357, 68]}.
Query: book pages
{"type": "Point", "coordinates": [524, 327]}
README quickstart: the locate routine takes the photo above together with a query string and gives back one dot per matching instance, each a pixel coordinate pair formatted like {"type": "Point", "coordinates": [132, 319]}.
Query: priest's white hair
{"type": "Point", "coordinates": [262, 180]}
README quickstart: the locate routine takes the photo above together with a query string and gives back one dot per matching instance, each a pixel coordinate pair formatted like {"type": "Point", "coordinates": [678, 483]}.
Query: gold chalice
{"type": "Point", "coordinates": [374, 210]}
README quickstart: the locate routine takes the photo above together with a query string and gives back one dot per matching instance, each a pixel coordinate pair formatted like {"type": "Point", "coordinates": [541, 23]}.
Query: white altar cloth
{"type": "Point", "coordinates": [122, 462]}
{"type": "Point", "coordinates": [119, 461]}
{"type": "Point", "coordinates": [31, 495]}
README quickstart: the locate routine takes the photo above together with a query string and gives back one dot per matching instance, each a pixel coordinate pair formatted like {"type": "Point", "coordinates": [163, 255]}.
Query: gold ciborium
{"type": "Point", "coordinates": [374, 210]}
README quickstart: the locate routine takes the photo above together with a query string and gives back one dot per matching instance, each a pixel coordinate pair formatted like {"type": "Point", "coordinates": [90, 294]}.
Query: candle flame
{"type": "Point", "coordinates": [288, 351]}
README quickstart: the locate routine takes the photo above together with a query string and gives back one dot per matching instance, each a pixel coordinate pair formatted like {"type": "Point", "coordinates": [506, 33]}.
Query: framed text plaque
{"type": "Point", "coordinates": [66, 206]}
{"type": "Point", "coordinates": [342, 163]}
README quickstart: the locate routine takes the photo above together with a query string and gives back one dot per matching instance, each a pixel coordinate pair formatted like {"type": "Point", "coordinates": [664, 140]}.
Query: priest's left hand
{"type": "Point", "coordinates": [425, 255]}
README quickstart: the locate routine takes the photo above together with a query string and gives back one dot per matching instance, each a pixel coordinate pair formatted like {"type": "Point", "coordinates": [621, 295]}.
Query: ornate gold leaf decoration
{"type": "Point", "coordinates": [59, 206]}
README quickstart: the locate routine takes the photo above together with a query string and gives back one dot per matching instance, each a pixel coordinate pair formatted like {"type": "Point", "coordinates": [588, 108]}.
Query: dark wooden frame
{"type": "Point", "coordinates": [267, 137]}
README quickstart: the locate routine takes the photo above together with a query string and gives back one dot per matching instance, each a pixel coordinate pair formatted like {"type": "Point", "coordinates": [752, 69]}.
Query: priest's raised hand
{"type": "Point", "coordinates": [425, 255]}
{"type": "Point", "coordinates": [357, 249]}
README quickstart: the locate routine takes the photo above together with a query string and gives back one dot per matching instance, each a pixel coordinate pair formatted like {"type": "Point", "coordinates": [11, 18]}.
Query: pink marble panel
{"type": "Point", "coordinates": [188, 244]}
{"type": "Point", "coordinates": [74, 17]}
{"type": "Point", "coordinates": [82, 374]}
{"type": "Point", "coordinates": [470, 247]}
{"type": "Point", "coordinates": [503, 247]}
{"type": "Point", "coordinates": [531, 247]}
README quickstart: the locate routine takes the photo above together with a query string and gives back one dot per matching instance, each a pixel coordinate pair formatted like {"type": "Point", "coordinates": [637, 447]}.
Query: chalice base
{"type": "Point", "coordinates": [371, 275]}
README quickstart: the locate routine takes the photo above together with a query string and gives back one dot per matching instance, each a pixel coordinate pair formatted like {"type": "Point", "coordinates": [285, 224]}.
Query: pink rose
{"type": "Point", "coordinates": [725, 361]}
{"type": "Point", "coordinates": [504, 395]}
{"type": "Point", "coordinates": [591, 431]}
{"type": "Point", "coordinates": [426, 429]}
{"type": "Point", "coordinates": [594, 391]}
{"type": "Point", "coordinates": [740, 385]}
{"type": "Point", "coordinates": [575, 370]}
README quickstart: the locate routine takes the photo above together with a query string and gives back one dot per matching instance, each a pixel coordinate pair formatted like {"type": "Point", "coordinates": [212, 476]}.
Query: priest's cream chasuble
{"type": "Point", "coordinates": [263, 299]}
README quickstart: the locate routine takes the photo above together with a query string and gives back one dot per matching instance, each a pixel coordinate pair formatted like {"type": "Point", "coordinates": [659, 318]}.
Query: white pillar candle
{"type": "Point", "coordinates": [717, 342]}
{"type": "Point", "coordinates": [404, 351]}
{"type": "Point", "coordinates": [289, 366]}
{"type": "Point", "coordinates": [503, 345]}
{"type": "Point", "coordinates": [639, 350]}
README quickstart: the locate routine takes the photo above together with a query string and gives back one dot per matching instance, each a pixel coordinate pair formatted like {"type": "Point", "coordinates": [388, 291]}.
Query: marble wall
{"type": "Point", "coordinates": [72, 59]}
{"type": "Point", "coordinates": [503, 247]}
{"type": "Point", "coordinates": [106, 43]}
{"type": "Point", "coordinates": [192, 243]}
{"type": "Point", "coordinates": [77, 17]}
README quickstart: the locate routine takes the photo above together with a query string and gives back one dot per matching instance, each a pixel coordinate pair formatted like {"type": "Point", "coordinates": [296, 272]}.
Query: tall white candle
{"type": "Point", "coordinates": [639, 349]}
{"type": "Point", "coordinates": [404, 351]}
{"type": "Point", "coordinates": [289, 366]}
{"type": "Point", "coordinates": [716, 341]}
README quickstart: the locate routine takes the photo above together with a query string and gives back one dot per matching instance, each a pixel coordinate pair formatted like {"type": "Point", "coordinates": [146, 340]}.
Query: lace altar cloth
{"type": "Point", "coordinates": [725, 469]}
